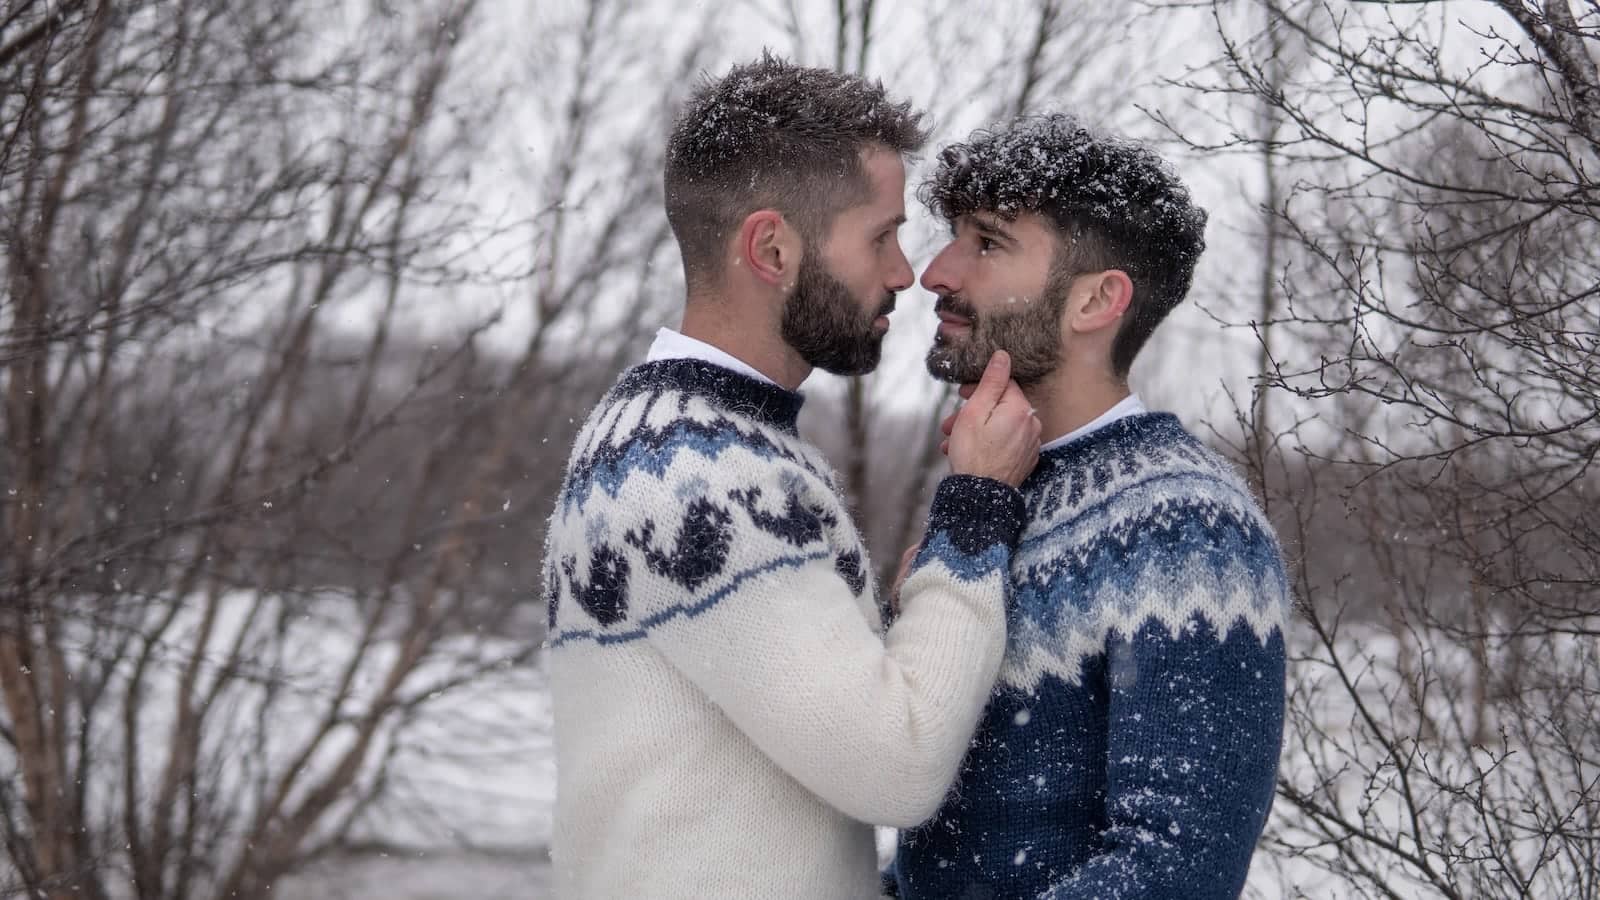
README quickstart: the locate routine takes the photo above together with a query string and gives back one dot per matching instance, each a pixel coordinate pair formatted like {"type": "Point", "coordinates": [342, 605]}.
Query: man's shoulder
{"type": "Point", "coordinates": [658, 444]}
{"type": "Point", "coordinates": [1140, 466]}
{"type": "Point", "coordinates": [1152, 528]}
{"type": "Point", "coordinates": [672, 502]}
{"type": "Point", "coordinates": [1156, 463]}
{"type": "Point", "coordinates": [1150, 501]}
{"type": "Point", "coordinates": [1189, 499]}
{"type": "Point", "coordinates": [645, 419]}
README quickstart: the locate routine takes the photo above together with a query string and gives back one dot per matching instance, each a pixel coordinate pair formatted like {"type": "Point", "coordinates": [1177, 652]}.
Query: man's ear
{"type": "Point", "coordinates": [770, 247]}
{"type": "Point", "coordinates": [1103, 298]}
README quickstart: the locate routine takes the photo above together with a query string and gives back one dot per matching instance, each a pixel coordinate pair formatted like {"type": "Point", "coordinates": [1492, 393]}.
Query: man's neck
{"type": "Point", "coordinates": [737, 332]}
{"type": "Point", "coordinates": [1069, 399]}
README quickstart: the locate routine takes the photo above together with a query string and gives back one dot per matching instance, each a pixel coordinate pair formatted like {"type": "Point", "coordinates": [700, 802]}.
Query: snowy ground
{"type": "Point", "coordinates": [424, 875]}
{"type": "Point", "coordinates": [485, 807]}
{"type": "Point", "coordinates": [472, 783]}
{"type": "Point", "coordinates": [501, 804]}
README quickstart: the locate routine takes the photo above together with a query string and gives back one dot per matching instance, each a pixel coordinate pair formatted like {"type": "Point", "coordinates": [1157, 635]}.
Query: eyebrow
{"type": "Point", "coordinates": [895, 222]}
{"type": "Point", "coordinates": [991, 227]}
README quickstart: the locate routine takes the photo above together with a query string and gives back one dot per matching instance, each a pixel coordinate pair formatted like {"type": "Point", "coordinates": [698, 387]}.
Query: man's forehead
{"type": "Point", "coordinates": [883, 162]}
{"type": "Point", "coordinates": [986, 219]}
{"type": "Point", "coordinates": [1011, 224]}
{"type": "Point", "coordinates": [876, 213]}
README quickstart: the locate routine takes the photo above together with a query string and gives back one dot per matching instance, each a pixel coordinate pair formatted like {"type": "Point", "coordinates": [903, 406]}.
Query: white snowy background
{"type": "Point", "coordinates": [540, 227]}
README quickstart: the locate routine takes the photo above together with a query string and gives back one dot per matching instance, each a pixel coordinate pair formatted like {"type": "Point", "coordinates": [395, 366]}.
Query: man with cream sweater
{"type": "Point", "coordinates": [732, 714]}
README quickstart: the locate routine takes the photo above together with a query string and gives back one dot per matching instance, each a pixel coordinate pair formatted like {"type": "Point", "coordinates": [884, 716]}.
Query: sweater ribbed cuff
{"type": "Point", "coordinates": [977, 513]}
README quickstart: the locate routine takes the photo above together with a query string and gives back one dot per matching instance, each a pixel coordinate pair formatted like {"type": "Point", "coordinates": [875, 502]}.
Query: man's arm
{"type": "Point", "coordinates": [1194, 731]}
{"type": "Point", "coordinates": [875, 726]}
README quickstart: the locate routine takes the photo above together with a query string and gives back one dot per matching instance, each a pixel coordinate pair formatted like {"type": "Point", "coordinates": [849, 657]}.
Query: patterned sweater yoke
{"type": "Point", "coordinates": [732, 714]}
{"type": "Point", "coordinates": [1129, 749]}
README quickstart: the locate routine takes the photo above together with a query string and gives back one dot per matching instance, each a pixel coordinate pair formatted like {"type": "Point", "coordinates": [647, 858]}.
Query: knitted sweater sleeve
{"type": "Point", "coordinates": [875, 725]}
{"type": "Point", "coordinates": [1193, 734]}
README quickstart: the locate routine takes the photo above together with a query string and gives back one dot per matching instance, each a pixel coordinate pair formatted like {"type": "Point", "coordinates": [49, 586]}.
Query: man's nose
{"type": "Point", "coordinates": [939, 277]}
{"type": "Point", "coordinates": [903, 275]}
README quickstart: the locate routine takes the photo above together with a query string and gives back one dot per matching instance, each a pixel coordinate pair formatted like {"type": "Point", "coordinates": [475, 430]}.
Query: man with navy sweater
{"type": "Point", "coordinates": [1130, 746]}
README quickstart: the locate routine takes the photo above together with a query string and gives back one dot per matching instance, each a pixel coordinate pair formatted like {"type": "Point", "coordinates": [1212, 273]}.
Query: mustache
{"type": "Point", "coordinates": [887, 306]}
{"type": "Point", "coordinates": [956, 305]}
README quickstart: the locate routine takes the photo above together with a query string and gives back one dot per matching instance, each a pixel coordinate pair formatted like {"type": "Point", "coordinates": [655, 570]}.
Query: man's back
{"type": "Point", "coordinates": [661, 795]}
{"type": "Point", "coordinates": [728, 710]}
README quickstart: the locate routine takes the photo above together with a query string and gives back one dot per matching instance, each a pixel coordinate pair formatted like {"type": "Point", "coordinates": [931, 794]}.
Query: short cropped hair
{"type": "Point", "coordinates": [773, 135]}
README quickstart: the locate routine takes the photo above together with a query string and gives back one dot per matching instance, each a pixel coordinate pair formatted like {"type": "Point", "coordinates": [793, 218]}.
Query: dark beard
{"type": "Point", "coordinates": [1030, 333]}
{"type": "Point", "coordinates": [825, 325]}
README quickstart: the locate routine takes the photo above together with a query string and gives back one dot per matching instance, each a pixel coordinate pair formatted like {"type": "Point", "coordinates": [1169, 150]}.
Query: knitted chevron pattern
{"type": "Point", "coordinates": [731, 717]}
{"type": "Point", "coordinates": [656, 414]}
{"type": "Point", "coordinates": [1130, 747]}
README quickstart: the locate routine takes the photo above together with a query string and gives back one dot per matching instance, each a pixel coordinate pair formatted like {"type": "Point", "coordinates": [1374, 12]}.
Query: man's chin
{"type": "Point", "coordinates": [864, 362]}
{"type": "Point", "coordinates": [945, 368]}
{"type": "Point", "coordinates": [850, 371]}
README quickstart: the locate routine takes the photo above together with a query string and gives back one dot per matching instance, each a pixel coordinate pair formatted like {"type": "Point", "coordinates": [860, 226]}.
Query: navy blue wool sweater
{"type": "Point", "coordinates": [1130, 747]}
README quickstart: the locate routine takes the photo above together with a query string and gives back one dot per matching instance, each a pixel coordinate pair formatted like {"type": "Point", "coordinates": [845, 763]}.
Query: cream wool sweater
{"type": "Point", "coordinates": [731, 716]}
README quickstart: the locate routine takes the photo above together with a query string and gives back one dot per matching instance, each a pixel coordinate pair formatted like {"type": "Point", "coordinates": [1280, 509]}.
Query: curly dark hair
{"type": "Point", "coordinates": [1114, 203]}
{"type": "Point", "coordinates": [773, 135]}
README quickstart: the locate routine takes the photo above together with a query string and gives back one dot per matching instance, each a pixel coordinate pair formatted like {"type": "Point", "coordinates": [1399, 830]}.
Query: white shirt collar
{"type": "Point", "coordinates": [670, 344]}
{"type": "Point", "coordinates": [1130, 406]}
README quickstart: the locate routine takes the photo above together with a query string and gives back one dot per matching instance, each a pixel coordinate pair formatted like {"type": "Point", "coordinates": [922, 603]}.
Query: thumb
{"type": "Point", "coordinates": [996, 377]}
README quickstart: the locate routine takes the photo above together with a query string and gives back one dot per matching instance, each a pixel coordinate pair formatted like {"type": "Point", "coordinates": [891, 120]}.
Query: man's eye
{"type": "Point", "coordinates": [985, 244]}
{"type": "Point", "coordinates": [882, 237]}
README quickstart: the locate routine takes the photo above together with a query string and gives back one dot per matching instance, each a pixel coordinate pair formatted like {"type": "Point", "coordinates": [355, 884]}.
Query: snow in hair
{"type": "Point", "coordinates": [1117, 204]}
{"type": "Point", "coordinates": [770, 110]}
{"type": "Point", "coordinates": [1054, 165]}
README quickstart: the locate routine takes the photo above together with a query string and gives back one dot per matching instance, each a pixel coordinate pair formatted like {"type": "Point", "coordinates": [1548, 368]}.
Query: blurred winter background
{"type": "Point", "coordinates": [302, 298]}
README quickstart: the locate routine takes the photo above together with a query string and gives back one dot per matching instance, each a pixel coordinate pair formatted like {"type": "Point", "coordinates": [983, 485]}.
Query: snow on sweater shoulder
{"type": "Point", "coordinates": [1131, 745]}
